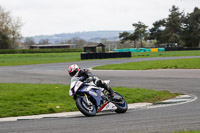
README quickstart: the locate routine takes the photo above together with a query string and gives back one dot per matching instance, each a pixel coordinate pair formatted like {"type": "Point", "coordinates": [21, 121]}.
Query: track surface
{"type": "Point", "coordinates": [164, 119]}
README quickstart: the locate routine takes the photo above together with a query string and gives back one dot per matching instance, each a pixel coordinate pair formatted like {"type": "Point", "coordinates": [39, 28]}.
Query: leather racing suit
{"type": "Point", "coordinates": [88, 76]}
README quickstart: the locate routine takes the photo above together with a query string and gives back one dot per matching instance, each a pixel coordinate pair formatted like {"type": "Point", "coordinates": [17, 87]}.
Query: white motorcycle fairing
{"type": "Point", "coordinates": [76, 84]}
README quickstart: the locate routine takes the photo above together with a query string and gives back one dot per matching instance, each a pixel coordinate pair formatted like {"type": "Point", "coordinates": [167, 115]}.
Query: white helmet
{"type": "Point", "coordinates": [73, 70]}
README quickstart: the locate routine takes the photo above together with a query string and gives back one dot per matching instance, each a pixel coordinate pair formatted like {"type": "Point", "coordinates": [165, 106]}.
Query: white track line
{"type": "Point", "coordinates": [171, 102]}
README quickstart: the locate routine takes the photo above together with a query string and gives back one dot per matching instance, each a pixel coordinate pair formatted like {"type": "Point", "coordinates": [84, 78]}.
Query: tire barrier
{"type": "Point", "coordinates": [140, 50]}
{"type": "Point", "coordinates": [155, 49]}
{"type": "Point", "coordinates": [180, 48]}
{"type": "Point", "coordinates": [105, 55]}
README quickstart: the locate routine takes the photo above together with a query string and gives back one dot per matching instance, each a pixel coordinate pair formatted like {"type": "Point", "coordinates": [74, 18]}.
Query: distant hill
{"type": "Point", "coordinates": [92, 36]}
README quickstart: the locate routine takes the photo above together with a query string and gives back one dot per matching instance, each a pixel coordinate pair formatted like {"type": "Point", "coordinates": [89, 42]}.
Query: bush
{"type": "Point", "coordinates": [22, 51]}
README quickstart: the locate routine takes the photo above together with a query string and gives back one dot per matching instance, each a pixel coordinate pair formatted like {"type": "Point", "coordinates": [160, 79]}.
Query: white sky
{"type": "Point", "coordinates": [46, 17]}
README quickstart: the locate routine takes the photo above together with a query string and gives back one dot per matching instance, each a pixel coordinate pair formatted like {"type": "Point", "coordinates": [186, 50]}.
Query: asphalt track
{"type": "Point", "coordinates": [163, 119]}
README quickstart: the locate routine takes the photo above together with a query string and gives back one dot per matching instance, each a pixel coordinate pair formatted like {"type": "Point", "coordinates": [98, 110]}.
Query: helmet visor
{"type": "Point", "coordinates": [72, 73]}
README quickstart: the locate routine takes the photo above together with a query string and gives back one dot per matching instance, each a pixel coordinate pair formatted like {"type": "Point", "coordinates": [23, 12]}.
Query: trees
{"type": "Point", "coordinates": [29, 41]}
{"type": "Point", "coordinates": [139, 34]}
{"type": "Point", "coordinates": [140, 31]}
{"type": "Point", "coordinates": [9, 30]}
{"type": "Point", "coordinates": [125, 36]}
{"type": "Point", "coordinates": [44, 41]}
{"type": "Point", "coordinates": [191, 29]}
{"type": "Point", "coordinates": [78, 41]}
{"type": "Point", "coordinates": [4, 41]}
{"type": "Point", "coordinates": [156, 32]}
{"type": "Point", "coordinates": [173, 25]}
{"type": "Point", "coordinates": [177, 28]}
{"type": "Point", "coordinates": [168, 30]}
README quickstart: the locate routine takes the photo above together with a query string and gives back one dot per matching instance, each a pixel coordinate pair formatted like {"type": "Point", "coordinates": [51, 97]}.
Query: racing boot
{"type": "Point", "coordinates": [111, 92]}
{"type": "Point", "coordinates": [100, 83]}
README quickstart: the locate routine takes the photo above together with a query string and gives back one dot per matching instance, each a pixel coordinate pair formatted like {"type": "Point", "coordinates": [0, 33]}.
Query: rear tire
{"type": "Point", "coordinates": [87, 110]}
{"type": "Point", "coordinates": [121, 108]}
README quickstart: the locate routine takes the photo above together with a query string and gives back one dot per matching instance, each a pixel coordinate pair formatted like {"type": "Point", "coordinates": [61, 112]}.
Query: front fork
{"type": "Point", "coordinates": [87, 100]}
{"type": "Point", "coordinates": [104, 101]}
{"type": "Point", "coordinates": [89, 103]}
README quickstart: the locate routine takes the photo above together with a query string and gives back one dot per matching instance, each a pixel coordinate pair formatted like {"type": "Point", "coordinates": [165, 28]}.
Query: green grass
{"type": "Point", "coordinates": [185, 131]}
{"type": "Point", "coordinates": [166, 54]}
{"type": "Point", "coordinates": [193, 63]}
{"type": "Point", "coordinates": [32, 99]}
{"type": "Point", "coordinates": [27, 59]}
{"type": "Point", "coordinates": [140, 95]}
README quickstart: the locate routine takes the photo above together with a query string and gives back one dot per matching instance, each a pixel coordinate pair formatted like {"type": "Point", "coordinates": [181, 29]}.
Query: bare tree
{"type": "Point", "coordinates": [78, 41]}
{"type": "Point", "coordinates": [44, 41]}
{"type": "Point", "coordinates": [29, 41]}
{"type": "Point", "coordinates": [9, 29]}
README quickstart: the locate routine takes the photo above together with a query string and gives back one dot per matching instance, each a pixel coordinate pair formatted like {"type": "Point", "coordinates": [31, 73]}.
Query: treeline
{"type": "Point", "coordinates": [26, 51]}
{"type": "Point", "coordinates": [28, 41]}
{"type": "Point", "coordinates": [179, 28]}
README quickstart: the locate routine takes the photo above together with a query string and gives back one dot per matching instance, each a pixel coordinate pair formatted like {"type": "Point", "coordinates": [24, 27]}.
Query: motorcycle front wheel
{"type": "Point", "coordinates": [85, 107]}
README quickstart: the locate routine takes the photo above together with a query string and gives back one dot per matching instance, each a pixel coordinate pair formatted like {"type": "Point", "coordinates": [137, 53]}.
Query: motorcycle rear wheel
{"type": "Point", "coordinates": [122, 107]}
{"type": "Point", "coordinates": [84, 108]}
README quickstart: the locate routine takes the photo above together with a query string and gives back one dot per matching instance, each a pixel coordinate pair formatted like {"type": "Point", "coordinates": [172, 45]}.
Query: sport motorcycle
{"type": "Point", "coordinates": [91, 99]}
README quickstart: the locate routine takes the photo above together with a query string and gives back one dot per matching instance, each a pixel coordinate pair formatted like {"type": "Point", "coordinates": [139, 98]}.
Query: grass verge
{"type": "Point", "coordinates": [37, 58]}
{"type": "Point", "coordinates": [166, 53]}
{"type": "Point", "coordinates": [41, 58]}
{"type": "Point", "coordinates": [31, 99]}
{"type": "Point", "coordinates": [192, 63]}
{"type": "Point", "coordinates": [185, 131]}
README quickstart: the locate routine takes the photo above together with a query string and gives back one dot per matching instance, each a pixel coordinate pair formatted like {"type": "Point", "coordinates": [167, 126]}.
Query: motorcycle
{"type": "Point", "coordinates": [91, 99]}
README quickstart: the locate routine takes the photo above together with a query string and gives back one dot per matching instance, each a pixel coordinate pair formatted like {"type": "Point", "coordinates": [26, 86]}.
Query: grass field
{"type": "Point", "coordinates": [193, 63]}
{"type": "Point", "coordinates": [27, 59]}
{"type": "Point", "coordinates": [186, 131]}
{"type": "Point", "coordinates": [32, 99]}
{"type": "Point", "coordinates": [166, 53]}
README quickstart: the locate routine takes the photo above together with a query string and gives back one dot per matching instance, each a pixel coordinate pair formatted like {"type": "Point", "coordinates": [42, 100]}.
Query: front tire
{"type": "Point", "coordinates": [84, 108]}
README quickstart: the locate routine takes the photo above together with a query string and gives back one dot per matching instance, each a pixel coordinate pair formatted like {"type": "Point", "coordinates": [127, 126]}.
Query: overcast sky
{"type": "Point", "coordinates": [46, 17]}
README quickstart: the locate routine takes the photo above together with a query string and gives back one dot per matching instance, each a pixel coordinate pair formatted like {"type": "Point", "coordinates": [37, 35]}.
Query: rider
{"type": "Point", "coordinates": [87, 76]}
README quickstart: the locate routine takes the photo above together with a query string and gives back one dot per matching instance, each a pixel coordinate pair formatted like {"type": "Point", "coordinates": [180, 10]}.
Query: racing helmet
{"type": "Point", "coordinates": [73, 70]}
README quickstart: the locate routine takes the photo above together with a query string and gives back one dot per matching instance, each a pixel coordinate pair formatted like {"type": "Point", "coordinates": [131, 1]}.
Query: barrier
{"type": "Point", "coordinates": [140, 50]}
{"type": "Point", "coordinates": [174, 48]}
{"type": "Point", "coordinates": [148, 50]}
{"type": "Point", "coordinates": [154, 49]}
{"type": "Point", "coordinates": [105, 55]}
{"type": "Point", "coordinates": [180, 48]}
{"type": "Point", "coordinates": [161, 49]}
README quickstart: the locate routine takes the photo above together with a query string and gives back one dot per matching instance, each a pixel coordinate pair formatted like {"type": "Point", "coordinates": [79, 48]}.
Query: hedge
{"type": "Point", "coordinates": [22, 51]}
